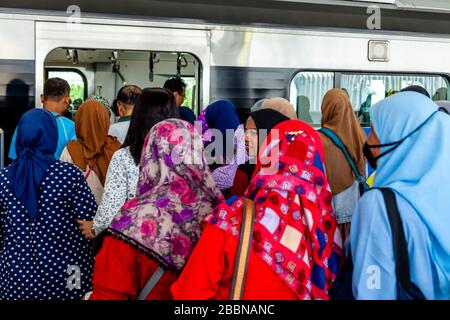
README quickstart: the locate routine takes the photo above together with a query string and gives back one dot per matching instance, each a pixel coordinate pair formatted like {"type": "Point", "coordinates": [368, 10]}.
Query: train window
{"type": "Point", "coordinates": [189, 99]}
{"type": "Point", "coordinates": [366, 89]}
{"type": "Point", "coordinates": [307, 91]}
{"type": "Point", "coordinates": [77, 82]}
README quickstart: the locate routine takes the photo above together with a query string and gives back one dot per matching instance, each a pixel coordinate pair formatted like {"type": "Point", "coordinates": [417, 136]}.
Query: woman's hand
{"type": "Point", "coordinates": [86, 228]}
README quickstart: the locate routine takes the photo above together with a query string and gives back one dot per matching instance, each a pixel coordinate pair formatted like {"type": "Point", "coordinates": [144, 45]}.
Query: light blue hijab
{"type": "Point", "coordinates": [418, 169]}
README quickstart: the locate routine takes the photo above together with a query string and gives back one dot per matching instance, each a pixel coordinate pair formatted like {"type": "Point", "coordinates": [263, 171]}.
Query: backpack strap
{"type": "Point", "coordinates": [333, 137]}
{"type": "Point", "coordinates": [243, 252]}
{"type": "Point", "coordinates": [151, 283]}
{"type": "Point", "coordinates": [402, 270]}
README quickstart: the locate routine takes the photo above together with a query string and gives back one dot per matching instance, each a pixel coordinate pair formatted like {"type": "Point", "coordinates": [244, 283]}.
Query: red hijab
{"type": "Point", "coordinates": [295, 228]}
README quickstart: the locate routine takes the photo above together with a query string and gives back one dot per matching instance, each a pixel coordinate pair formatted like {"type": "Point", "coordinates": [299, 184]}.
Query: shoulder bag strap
{"type": "Point", "coordinates": [402, 269]}
{"type": "Point", "coordinates": [333, 137]}
{"type": "Point", "coordinates": [151, 283]}
{"type": "Point", "coordinates": [243, 252]}
{"type": "Point", "coordinates": [90, 170]}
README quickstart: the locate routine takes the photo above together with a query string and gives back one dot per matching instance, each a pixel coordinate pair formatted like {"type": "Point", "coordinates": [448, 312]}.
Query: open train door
{"type": "Point", "coordinates": [123, 35]}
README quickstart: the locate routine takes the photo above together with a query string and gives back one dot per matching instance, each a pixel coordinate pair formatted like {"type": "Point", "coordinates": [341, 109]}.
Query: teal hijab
{"type": "Point", "coordinates": [419, 168]}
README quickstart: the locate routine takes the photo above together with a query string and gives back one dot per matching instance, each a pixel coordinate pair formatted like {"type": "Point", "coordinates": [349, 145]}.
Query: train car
{"type": "Point", "coordinates": [290, 48]}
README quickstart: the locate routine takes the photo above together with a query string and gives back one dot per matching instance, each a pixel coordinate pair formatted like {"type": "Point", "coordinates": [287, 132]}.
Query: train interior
{"type": "Point", "coordinates": [364, 89]}
{"type": "Point", "coordinates": [103, 72]}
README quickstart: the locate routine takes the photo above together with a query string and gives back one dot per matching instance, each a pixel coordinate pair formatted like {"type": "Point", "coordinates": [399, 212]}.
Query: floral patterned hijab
{"type": "Point", "coordinates": [175, 192]}
{"type": "Point", "coordinates": [295, 230]}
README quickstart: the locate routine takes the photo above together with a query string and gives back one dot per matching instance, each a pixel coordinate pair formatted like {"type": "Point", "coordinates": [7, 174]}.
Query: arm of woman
{"type": "Point", "coordinates": [372, 250]}
{"type": "Point", "coordinates": [114, 196]}
{"type": "Point", "coordinates": [204, 270]}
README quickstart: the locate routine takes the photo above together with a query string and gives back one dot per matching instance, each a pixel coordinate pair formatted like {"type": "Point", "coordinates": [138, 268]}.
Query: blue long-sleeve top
{"type": "Point", "coordinates": [373, 254]}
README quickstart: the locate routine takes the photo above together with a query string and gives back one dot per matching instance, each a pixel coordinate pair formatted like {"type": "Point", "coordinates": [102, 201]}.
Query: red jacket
{"type": "Point", "coordinates": [121, 271]}
{"type": "Point", "coordinates": [240, 184]}
{"type": "Point", "coordinates": [209, 271]}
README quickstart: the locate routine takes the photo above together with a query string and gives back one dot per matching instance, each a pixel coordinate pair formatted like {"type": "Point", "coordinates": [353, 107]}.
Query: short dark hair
{"type": "Point", "coordinates": [152, 106]}
{"type": "Point", "coordinates": [56, 88]}
{"type": "Point", "coordinates": [129, 94]}
{"type": "Point", "coordinates": [175, 84]}
{"type": "Point", "coordinates": [418, 89]}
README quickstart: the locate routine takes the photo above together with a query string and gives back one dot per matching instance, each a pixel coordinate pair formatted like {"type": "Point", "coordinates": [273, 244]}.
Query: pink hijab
{"type": "Point", "coordinates": [175, 192]}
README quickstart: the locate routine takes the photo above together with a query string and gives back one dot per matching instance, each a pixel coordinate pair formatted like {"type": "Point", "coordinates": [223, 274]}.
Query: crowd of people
{"type": "Point", "coordinates": [166, 205]}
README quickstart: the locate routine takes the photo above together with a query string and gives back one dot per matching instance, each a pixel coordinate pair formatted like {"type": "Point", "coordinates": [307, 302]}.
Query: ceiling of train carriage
{"type": "Point", "coordinates": [396, 15]}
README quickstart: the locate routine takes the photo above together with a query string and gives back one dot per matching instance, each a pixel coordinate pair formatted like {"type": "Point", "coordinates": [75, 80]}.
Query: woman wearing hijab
{"type": "Point", "coordinates": [103, 101]}
{"type": "Point", "coordinates": [295, 250]}
{"type": "Point", "coordinates": [257, 105]}
{"type": "Point", "coordinates": [42, 254]}
{"type": "Point", "coordinates": [264, 120]}
{"type": "Point", "coordinates": [94, 149]}
{"type": "Point", "coordinates": [222, 116]}
{"type": "Point", "coordinates": [304, 107]}
{"type": "Point", "coordinates": [152, 106]}
{"type": "Point", "coordinates": [415, 167]}
{"type": "Point", "coordinates": [281, 105]}
{"type": "Point", "coordinates": [338, 116]}
{"type": "Point", "coordinates": [155, 232]}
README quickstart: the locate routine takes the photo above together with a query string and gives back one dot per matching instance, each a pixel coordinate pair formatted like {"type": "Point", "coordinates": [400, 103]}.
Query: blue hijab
{"type": "Point", "coordinates": [222, 115]}
{"type": "Point", "coordinates": [419, 168]}
{"type": "Point", "coordinates": [187, 114]}
{"type": "Point", "coordinates": [37, 139]}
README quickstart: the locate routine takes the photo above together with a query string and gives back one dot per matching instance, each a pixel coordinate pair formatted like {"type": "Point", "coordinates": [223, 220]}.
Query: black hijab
{"type": "Point", "coordinates": [267, 118]}
{"type": "Point", "coordinates": [264, 119]}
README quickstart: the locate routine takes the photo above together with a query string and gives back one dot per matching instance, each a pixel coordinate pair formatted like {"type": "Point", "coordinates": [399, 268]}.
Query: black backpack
{"type": "Point", "coordinates": [406, 289]}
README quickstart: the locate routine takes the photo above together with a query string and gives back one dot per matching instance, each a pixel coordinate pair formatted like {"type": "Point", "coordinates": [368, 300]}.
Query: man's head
{"type": "Point", "coordinates": [416, 88]}
{"type": "Point", "coordinates": [126, 98]}
{"type": "Point", "coordinates": [178, 88]}
{"type": "Point", "coordinates": [56, 95]}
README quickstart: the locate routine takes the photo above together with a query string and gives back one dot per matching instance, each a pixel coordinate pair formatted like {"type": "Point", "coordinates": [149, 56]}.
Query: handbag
{"type": "Point", "coordinates": [406, 289]}
{"type": "Point", "coordinates": [243, 252]}
{"type": "Point", "coordinates": [363, 186]}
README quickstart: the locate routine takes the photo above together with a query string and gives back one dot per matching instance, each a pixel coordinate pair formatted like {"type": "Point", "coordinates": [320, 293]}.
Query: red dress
{"type": "Point", "coordinates": [121, 271]}
{"type": "Point", "coordinates": [209, 271]}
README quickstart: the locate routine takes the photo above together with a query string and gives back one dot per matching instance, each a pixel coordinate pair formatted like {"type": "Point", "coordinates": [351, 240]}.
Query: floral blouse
{"type": "Point", "coordinates": [120, 186]}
